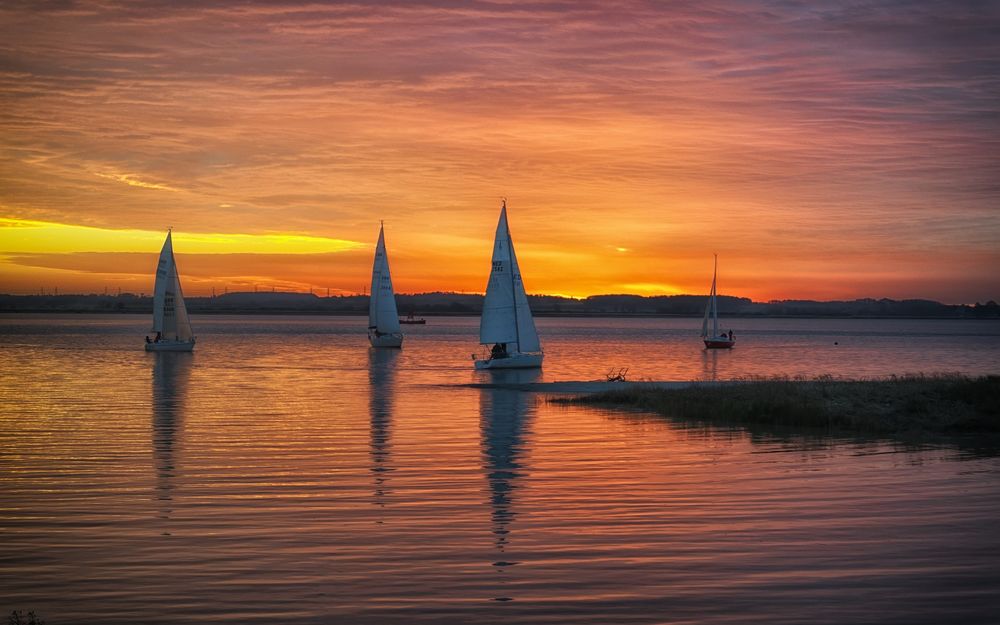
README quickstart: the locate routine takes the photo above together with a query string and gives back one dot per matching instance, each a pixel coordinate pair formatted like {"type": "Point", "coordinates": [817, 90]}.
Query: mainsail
{"type": "Point", "coordinates": [170, 316]}
{"type": "Point", "coordinates": [506, 316]}
{"type": "Point", "coordinates": [382, 314]}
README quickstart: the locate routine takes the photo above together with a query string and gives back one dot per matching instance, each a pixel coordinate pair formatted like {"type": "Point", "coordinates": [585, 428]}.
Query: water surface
{"type": "Point", "coordinates": [284, 472]}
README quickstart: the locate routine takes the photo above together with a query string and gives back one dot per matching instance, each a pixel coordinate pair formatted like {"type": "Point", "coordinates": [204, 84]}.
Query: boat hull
{"type": "Point", "coordinates": [385, 340]}
{"type": "Point", "coordinates": [170, 346]}
{"type": "Point", "coordinates": [719, 343]}
{"type": "Point", "coordinates": [513, 361]}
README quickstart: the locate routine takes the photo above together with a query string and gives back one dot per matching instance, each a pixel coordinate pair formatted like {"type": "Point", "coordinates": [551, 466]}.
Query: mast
{"type": "Point", "coordinates": [715, 302]}
{"type": "Point", "coordinates": [708, 312]}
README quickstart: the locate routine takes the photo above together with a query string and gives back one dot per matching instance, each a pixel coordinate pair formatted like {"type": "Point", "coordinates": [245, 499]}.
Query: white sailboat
{"type": "Point", "coordinates": [170, 318]}
{"type": "Point", "coordinates": [506, 322]}
{"type": "Point", "coordinates": [383, 318]}
{"type": "Point", "coordinates": [715, 339]}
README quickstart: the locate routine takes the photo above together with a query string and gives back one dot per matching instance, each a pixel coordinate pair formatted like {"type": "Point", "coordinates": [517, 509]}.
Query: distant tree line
{"type": "Point", "coordinates": [465, 304]}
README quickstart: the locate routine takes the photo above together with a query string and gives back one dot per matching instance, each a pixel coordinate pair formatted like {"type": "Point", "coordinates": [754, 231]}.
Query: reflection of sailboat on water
{"type": "Point", "coordinates": [381, 388]}
{"type": "Point", "coordinates": [504, 415]}
{"type": "Point", "coordinates": [710, 365]}
{"type": "Point", "coordinates": [170, 380]}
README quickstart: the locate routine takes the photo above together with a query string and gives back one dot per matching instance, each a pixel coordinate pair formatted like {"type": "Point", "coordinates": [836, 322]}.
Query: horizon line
{"type": "Point", "coordinates": [476, 294]}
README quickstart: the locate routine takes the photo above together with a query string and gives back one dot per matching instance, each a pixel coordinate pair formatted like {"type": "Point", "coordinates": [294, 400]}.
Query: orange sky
{"type": "Point", "coordinates": [827, 152]}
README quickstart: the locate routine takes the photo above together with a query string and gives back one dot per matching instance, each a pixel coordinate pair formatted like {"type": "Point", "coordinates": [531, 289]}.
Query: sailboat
{"type": "Point", "coordinates": [715, 339]}
{"type": "Point", "coordinates": [506, 322]}
{"type": "Point", "coordinates": [383, 319]}
{"type": "Point", "coordinates": [170, 317]}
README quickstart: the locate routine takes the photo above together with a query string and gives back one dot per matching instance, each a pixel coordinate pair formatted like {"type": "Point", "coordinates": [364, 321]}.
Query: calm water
{"type": "Point", "coordinates": [285, 473]}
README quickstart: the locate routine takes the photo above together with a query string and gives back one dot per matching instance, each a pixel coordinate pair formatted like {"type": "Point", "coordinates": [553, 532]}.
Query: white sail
{"type": "Point", "coordinates": [382, 314]}
{"type": "Point", "coordinates": [170, 316]}
{"type": "Point", "coordinates": [527, 335]}
{"type": "Point", "coordinates": [506, 315]}
{"type": "Point", "coordinates": [164, 276]}
{"type": "Point", "coordinates": [183, 324]}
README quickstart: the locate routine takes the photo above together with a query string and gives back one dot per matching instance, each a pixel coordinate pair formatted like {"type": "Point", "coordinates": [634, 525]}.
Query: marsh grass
{"type": "Point", "coordinates": [18, 617]}
{"type": "Point", "coordinates": [949, 404]}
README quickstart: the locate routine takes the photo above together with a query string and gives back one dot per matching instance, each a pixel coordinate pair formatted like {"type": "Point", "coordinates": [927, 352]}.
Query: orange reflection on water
{"type": "Point", "coordinates": [370, 486]}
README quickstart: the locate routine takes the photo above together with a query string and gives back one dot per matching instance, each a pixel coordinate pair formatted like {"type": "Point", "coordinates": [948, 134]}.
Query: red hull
{"type": "Point", "coordinates": [718, 343]}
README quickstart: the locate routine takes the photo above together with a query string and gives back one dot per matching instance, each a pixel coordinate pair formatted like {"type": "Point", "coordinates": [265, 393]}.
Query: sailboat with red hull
{"type": "Point", "coordinates": [715, 339]}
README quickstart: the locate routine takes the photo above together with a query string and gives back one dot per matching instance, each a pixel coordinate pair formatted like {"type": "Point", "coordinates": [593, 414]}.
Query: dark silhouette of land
{"type": "Point", "coordinates": [900, 406]}
{"type": "Point", "coordinates": [470, 304]}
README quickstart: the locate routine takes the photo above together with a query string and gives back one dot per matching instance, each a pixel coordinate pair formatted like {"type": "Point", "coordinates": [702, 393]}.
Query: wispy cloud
{"type": "Point", "coordinates": [133, 181]}
{"type": "Point", "coordinates": [778, 131]}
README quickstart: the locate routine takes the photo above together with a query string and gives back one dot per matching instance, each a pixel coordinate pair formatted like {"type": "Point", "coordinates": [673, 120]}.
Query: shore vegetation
{"type": "Point", "coordinates": [946, 404]}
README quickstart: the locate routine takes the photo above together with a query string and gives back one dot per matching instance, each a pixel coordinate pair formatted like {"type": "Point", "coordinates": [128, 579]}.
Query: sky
{"type": "Point", "coordinates": [824, 150]}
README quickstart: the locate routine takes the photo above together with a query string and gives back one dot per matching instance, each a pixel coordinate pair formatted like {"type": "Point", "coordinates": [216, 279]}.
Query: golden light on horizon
{"type": "Point", "coordinates": [28, 236]}
{"type": "Point", "coordinates": [648, 288]}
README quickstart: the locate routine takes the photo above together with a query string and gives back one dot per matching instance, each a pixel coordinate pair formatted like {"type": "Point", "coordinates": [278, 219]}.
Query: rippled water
{"type": "Point", "coordinates": [285, 473]}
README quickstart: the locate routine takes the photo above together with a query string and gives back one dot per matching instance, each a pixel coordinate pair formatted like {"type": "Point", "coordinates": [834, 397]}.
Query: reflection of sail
{"type": "Point", "coordinates": [381, 384]}
{"type": "Point", "coordinates": [710, 365]}
{"type": "Point", "coordinates": [171, 371]}
{"type": "Point", "coordinates": [503, 417]}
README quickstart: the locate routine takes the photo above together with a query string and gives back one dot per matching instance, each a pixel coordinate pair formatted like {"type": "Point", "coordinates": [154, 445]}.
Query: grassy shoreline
{"type": "Point", "coordinates": [907, 405]}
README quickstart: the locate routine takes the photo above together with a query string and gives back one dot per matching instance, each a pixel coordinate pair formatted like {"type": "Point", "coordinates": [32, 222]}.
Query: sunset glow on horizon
{"type": "Point", "coordinates": [835, 151]}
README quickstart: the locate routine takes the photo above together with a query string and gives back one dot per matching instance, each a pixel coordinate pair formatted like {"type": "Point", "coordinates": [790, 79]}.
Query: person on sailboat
{"type": "Point", "coordinates": [499, 351]}
{"type": "Point", "coordinates": [730, 335]}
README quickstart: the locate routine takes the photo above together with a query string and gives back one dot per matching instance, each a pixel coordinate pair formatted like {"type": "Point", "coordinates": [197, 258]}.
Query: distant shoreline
{"type": "Point", "coordinates": [460, 304]}
{"type": "Point", "coordinates": [430, 315]}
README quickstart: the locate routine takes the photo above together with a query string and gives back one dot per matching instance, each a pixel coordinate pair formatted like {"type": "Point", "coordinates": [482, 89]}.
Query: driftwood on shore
{"type": "Point", "coordinates": [895, 405]}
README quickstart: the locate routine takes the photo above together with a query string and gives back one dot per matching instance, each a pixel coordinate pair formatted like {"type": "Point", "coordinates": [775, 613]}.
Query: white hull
{"type": "Point", "coordinates": [513, 361]}
{"type": "Point", "coordinates": [170, 346]}
{"type": "Point", "coordinates": [386, 340]}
